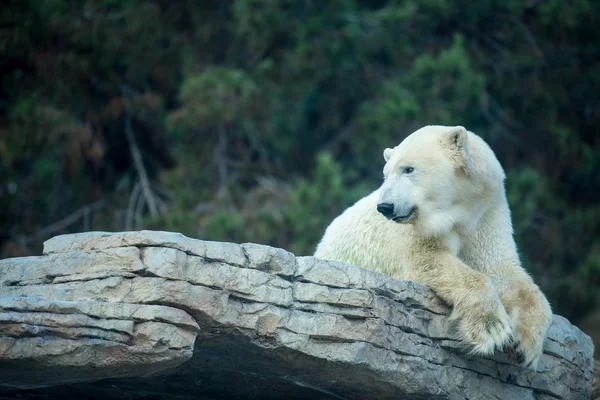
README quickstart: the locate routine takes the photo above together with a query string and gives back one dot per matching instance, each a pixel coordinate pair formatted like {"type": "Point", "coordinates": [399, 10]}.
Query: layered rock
{"type": "Point", "coordinates": [159, 315]}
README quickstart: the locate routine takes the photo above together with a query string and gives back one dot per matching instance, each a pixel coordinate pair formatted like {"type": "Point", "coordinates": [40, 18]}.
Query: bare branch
{"type": "Point", "coordinates": [163, 191]}
{"type": "Point", "coordinates": [137, 159]}
{"type": "Point", "coordinates": [529, 37]}
{"type": "Point", "coordinates": [139, 209]}
{"type": "Point", "coordinates": [133, 198]}
{"type": "Point", "coordinates": [65, 222]}
{"type": "Point", "coordinates": [86, 221]}
{"type": "Point", "coordinates": [204, 208]}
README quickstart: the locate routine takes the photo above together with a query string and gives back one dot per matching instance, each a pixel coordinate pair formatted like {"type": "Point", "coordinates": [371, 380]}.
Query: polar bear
{"type": "Point", "coordinates": [441, 218]}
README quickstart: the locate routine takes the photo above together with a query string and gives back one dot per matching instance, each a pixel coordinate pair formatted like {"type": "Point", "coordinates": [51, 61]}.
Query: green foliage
{"type": "Point", "coordinates": [537, 212]}
{"type": "Point", "coordinates": [293, 216]}
{"type": "Point", "coordinates": [435, 88]}
{"type": "Point", "coordinates": [277, 112]}
{"type": "Point", "coordinates": [316, 201]}
{"type": "Point", "coordinates": [23, 118]}
{"type": "Point", "coordinates": [216, 96]}
{"type": "Point", "coordinates": [528, 191]}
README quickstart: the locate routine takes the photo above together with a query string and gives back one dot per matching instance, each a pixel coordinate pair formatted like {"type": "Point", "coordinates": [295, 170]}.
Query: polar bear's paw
{"type": "Point", "coordinates": [487, 329]}
{"type": "Point", "coordinates": [532, 317]}
{"type": "Point", "coordinates": [527, 352]}
{"type": "Point", "coordinates": [528, 345]}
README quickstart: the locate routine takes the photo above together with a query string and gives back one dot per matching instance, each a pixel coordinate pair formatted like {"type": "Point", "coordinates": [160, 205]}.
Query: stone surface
{"type": "Point", "coordinates": [144, 315]}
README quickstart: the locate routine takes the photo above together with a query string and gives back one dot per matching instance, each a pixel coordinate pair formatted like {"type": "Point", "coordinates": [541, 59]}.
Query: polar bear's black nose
{"type": "Point", "coordinates": [386, 209]}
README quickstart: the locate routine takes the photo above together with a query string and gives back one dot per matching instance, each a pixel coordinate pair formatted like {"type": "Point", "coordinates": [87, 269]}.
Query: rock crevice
{"type": "Point", "coordinates": [138, 314]}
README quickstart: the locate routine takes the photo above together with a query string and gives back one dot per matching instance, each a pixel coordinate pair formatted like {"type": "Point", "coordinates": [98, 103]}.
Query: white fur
{"type": "Point", "coordinates": [459, 240]}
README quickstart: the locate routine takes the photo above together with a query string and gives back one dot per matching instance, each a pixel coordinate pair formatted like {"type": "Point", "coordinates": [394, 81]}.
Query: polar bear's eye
{"type": "Point", "coordinates": [408, 170]}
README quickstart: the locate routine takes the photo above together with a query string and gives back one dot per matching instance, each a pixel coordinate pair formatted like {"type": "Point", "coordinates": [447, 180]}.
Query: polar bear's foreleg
{"type": "Point", "coordinates": [482, 319]}
{"type": "Point", "coordinates": [528, 309]}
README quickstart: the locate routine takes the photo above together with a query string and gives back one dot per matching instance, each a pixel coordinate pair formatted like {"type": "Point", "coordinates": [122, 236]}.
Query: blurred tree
{"type": "Point", "coordinates": [262, 120]}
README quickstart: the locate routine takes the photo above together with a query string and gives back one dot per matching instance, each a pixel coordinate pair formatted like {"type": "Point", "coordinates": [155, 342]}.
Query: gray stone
{"type": "Point", "coordinates": [266, 258]}
{"type": "Point", "coordinates": [308, 292]}
{"type": "Point", "coordinates": [69, 265]}
{"type": "Point", "coordinates": [246, 283]}
{"type": "Point", "coordinates": [45, 342]}
{"type": "Point", "coordinates": [156, 314]}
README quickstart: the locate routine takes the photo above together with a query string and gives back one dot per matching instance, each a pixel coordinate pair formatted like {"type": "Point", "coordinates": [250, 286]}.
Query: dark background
{"type": "Point", "coordinates": [261, 120]}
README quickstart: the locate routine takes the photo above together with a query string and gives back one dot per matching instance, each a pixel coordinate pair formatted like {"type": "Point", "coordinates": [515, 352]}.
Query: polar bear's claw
{"type": "Point", "coordinates": [528, 354]}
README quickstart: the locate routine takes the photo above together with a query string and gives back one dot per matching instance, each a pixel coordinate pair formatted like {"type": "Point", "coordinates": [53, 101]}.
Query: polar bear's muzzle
{"type": "Point", "coordinates": [402, 214]}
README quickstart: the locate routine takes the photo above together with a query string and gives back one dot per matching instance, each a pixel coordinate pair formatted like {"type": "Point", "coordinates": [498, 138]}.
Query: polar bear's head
{"type": "Point", "coordinates": [439, 178]}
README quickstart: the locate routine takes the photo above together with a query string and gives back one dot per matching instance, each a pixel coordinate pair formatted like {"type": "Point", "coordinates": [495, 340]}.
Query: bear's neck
{"type": "Point", "coordinates": [489, 242]}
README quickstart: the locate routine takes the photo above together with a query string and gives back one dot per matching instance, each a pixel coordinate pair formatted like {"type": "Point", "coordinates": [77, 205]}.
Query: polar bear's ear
{"type": "Point", "coordinates": [457, 140]}
{"type": "Point", "coordinates": [387, 154]}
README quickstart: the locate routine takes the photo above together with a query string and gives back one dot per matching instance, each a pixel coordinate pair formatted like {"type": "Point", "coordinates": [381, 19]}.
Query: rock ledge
{"type": "Point", "coordinates": [158, 315]}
